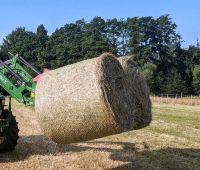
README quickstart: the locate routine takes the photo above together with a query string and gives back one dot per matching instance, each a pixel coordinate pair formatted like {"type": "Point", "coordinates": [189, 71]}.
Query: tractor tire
{"type": "Point", "coordinates": [10, 135]}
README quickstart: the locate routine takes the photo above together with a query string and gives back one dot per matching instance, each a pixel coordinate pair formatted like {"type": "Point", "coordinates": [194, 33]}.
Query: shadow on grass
{"type": "Point", "coordinates": [134, 155]}
{"type": "Point", "coordinates": [161, 159]}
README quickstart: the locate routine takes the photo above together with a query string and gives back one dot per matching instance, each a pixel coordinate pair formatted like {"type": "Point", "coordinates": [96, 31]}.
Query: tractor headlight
{"type": "Point", "coordinates": [32, 94]}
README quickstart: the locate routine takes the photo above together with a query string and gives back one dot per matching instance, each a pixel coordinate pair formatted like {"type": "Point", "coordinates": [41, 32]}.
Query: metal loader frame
{"type": "Point", "coordinates": [17, 81]}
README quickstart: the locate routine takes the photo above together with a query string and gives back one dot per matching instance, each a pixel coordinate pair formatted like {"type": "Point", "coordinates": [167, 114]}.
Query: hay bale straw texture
{"type": "Point", "coordinates": [87, 100]}
{"type": "Point", "coordinates": [139, 90]}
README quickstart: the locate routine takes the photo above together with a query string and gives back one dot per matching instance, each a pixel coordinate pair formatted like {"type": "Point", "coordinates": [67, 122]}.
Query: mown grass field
{"type": "Point", "coordinates": [172, 141]}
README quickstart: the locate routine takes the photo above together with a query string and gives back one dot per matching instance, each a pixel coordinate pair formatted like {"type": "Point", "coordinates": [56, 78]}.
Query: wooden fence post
{"type": "Point", "coordinates": [176, 100]}
{"type": "Point", "coordinates": [167, 99]}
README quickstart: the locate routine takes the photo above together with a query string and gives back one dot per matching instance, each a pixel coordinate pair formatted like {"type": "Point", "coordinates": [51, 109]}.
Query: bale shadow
{"type": "Point", "coordinates": [162, 159]}
{"type": "Point", "coordinates": [133, 155]}
{"type": "Point", "coordinates": [139, 156]}
{"type": "Point", "coordinates": [36, 145]}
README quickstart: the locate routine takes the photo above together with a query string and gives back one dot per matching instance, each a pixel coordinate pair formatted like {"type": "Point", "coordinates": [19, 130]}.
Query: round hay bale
{"type": "Point", "coordinates": [86, 100]}
{"type": "Point", "coordinates": [140, 90]}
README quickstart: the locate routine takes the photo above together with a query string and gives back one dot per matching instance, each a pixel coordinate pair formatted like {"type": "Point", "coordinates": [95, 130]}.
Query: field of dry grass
{"type": "Point", "coordinates": [192, 100]}
{"type": "Point", "coordinates": [172, 141]}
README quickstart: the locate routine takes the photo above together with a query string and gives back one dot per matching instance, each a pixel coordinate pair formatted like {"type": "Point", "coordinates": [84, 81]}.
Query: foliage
{"type": "Point", "coordinates": [196, 79]}
{"type": "Point", "coordinates": [154, 43]}
{"type": "Point", "coordinates": [149, 72]}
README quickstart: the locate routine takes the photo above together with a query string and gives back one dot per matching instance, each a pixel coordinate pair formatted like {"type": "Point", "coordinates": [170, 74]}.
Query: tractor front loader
{"type": "Point", "coordinates": [16, 79]}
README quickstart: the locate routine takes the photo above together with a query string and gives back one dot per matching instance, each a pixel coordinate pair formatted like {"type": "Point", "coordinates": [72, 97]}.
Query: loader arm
{"type": "Point", "coordinates": [16, 79]}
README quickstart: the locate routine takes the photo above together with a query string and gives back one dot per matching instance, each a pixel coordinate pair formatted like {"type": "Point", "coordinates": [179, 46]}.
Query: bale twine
{"type": "Point", "coordinates": [140, 90]}
{"type": "Point", "coordinates": [84, 101]}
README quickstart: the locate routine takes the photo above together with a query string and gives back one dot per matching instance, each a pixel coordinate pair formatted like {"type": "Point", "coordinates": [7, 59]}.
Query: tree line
{"type": "Point", "coordinates": [153, 43]}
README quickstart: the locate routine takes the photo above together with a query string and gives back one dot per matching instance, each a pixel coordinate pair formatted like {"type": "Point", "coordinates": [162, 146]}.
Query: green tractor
{"type": "Point", "coordinates": [18, 78]}
{"type": "Point", "coordinates": [8, 127]}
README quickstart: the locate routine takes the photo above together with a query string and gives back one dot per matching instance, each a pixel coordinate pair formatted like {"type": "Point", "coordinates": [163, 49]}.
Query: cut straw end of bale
{"type": "Point", "coordinates": [140, 90]}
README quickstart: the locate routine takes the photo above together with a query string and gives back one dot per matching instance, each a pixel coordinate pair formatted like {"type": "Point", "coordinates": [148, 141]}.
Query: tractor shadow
{"type": "Point", "coordinates": [133, 155]}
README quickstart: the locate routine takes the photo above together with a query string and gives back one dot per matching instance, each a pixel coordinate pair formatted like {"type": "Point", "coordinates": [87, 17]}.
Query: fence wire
{"type": "Point", "coordinates": [176, 99]}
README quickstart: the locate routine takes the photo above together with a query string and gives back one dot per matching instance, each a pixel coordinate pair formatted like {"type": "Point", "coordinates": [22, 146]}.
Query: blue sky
{"type": "Point", "coordinates": [55, 13]}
